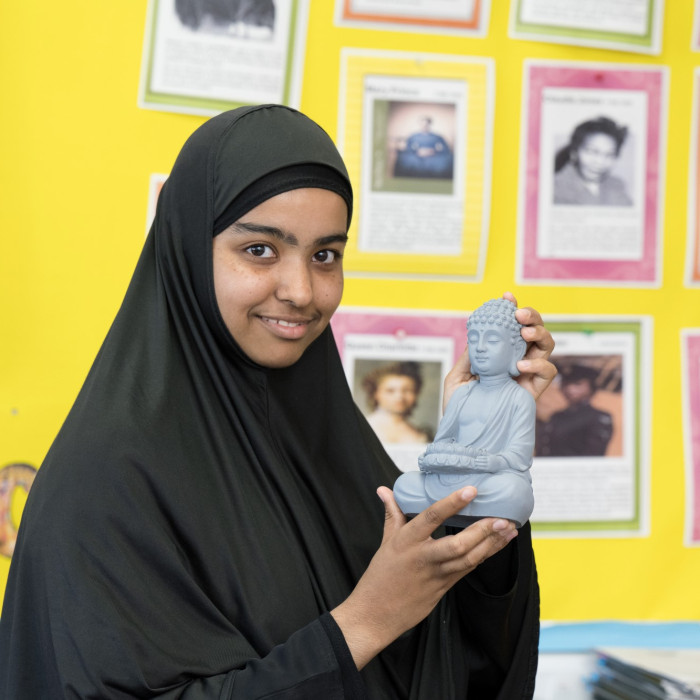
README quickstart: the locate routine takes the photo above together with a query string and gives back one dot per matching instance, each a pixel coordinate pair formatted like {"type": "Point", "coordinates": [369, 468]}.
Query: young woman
{"type": "Point", "coordinates": [206, 524]}
{"type": "Point", "coordinates": [392, 394]}
{"type": "Point", "coordinates": [583, 168]}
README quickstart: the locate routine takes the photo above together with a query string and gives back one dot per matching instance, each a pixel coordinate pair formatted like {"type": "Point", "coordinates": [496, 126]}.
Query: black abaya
{"type": "Point", "coordinates": [198, 515]}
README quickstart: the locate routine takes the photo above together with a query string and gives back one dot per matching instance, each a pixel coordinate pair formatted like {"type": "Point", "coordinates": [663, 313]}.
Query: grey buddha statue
{"type": "Point", "coordinates": [486, 438]}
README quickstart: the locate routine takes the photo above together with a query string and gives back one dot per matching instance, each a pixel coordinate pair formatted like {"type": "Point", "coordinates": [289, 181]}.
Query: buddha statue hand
{"type": "Point", "coordinates": [486, 462]}
{"type": "Point", "coordinates": [449, 457]}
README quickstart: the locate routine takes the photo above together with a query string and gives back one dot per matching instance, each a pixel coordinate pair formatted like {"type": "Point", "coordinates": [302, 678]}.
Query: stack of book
{"type": "Point", "coordinates": [646, 674]}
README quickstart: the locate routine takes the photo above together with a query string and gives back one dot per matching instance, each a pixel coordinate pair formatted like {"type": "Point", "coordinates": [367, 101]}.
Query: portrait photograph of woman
{"type": "Point", "coordinates": [399, 398]}
{"type": "Point", "coordinates": [592, 176]}
{"type": "Point", "coordinates": [587, 167]}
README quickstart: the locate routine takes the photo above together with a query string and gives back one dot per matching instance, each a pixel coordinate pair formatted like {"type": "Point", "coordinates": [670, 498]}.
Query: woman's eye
{"type": "Point", "coordinates": [326, 256]}
{"type": "Point", "coordinates": [260, 251]}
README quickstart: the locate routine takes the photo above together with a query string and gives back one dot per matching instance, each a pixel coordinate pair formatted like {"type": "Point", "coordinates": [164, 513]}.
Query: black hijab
{"type": "Point", "coordinates": [196, 509]}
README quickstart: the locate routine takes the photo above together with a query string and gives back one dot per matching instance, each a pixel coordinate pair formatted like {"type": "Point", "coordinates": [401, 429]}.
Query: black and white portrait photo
{"type": "Point", "coordinates": [592, 174]}
{"type": "Point", "coordinates": [206, 56]}
{"type": "Point", "coordinates": [587, 168]}
{"type": "Point", "coordinates": [242, 18]}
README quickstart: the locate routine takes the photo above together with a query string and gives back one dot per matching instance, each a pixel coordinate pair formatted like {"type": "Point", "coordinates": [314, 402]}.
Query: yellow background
{"type": "Point", "coordinates": [76, 154]}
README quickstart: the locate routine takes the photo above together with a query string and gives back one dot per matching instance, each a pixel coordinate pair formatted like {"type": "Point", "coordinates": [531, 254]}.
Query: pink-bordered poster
{"type": "Point", "coordinates": [591, 174]}
{"type": "Point", "coordinates": [692, 266]}
{"type": "Point", "coordinates": [690, 348]}
{"type": "Point", "coordinates": [395, 362]}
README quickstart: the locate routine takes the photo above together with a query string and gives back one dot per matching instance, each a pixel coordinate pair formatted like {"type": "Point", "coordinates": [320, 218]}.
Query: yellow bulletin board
{"type": "Point", "coordinates": [76, 157]}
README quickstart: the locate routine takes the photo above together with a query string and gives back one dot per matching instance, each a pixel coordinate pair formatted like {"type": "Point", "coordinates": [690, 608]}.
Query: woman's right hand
{"type": "Point", "coordinates": [411, 571]}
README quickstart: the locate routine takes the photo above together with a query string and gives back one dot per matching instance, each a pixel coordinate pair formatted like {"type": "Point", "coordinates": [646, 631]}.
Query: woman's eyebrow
{"type": "Point", "coordinates": [333, 238]}
{"type": "Point", "coordinates": [266, 230]}
{"type": "Point", "coordinates": [286, 237]}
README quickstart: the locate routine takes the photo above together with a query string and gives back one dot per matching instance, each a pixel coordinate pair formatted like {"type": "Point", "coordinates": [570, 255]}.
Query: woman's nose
{"type": "Point", "coordinates": [294, 284]}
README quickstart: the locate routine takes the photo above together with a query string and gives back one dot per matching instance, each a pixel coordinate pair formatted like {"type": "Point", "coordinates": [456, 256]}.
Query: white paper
{"type": "Point", "coordinates": [419, 221]}
{"type": "Point", "coordinates": [587, 232]}
{"type": "Point", "coordinates": [593, 488]}
{"type": "Point", "coordinates": [435, 358]}
{"type": "Point", "coordinates": [425, 9]}
{"type": "Point", "coordinates": [622, 16]}
{"type": "Point", "coordinates": [155, 183]}
{"type": "Point", "coordinates": [233, 61]}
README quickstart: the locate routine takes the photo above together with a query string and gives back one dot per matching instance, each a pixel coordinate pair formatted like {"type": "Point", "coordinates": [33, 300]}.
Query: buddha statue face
{"type": "Point", "coordinates": [490, 351]}
{"type": "Point", "coordinates": [495, 343]}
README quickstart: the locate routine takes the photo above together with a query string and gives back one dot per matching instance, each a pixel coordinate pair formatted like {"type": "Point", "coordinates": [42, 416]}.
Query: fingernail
{"type": "Point", "coordinates": [511, 535]}
{"type": "Point", "coordinates": [499, 525]}
{"type": "Point", "coordinates": [468, 493]}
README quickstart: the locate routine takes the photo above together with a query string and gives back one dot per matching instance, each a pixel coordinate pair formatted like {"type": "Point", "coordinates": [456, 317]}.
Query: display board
{"type": "Point", "coordinates": [79, 153]}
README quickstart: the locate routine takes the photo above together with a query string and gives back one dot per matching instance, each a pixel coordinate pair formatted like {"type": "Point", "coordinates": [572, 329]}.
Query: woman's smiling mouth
{"type": "Point", "coordinates": [289, 324]}
{"type": "Point", "coordinates": [288, 330]}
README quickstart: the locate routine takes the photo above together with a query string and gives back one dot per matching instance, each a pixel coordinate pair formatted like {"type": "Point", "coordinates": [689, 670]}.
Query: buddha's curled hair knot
{"type": "Point", "coordinates": [496, 312]}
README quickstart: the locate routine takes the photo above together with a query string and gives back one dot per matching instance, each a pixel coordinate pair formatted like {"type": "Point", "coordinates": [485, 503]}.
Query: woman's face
{"type": "Point", "coordinates": [596, 157]}
{"type": "Point", "coordinates": [278, 273]}
{"type": "Point", "coordinates": [396, 393]}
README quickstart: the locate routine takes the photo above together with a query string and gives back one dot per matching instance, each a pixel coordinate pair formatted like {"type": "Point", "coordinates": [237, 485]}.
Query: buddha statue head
{"type": "Point", "coordinates": [495, 342]}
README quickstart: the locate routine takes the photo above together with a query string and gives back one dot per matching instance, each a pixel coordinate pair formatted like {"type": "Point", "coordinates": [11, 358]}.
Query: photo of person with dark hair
{"type": "Point", "coordinates": [246, 18]}
{"type": "Point", "coordinates": [424, 154]}
{"type": "Point", "coordinates": [580, 429]}
{"type": "Point", "coordinates": [392, 395]}
{"type": "Point", "coordinates": [583, 168]}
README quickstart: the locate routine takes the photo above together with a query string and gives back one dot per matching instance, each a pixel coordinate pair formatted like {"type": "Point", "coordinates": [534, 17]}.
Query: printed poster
{"type": "Point", "coordinates": [468, 17]}
{"type": "Point", "coordinates": [622, 25]}
{"type": "Point", "coordinates": [692, 267]}
{"type": "Point", "coordinates": [155, 184]}
{"type": "Point", "coordinates": [205, 58]}
{"type": "Point", "coordinates": [592, 174]}
{"type": "Point", "coordinates": [690, 348]}
{"type": "Point", "coordinates": [396, 363]}
{"type": "Point", "coordinates": [416, 135]}
{"type": "Point", "coordinates": [591, 468]}
{"type": "Point", "coordinates": [16, 481]}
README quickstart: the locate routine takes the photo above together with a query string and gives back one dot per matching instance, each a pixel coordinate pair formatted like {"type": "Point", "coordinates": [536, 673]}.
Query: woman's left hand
{"type": "Point", "coordinates": [536, 371]}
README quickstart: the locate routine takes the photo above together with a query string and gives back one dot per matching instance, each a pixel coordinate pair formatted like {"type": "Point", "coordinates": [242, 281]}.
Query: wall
{"type": "Point", "coordinates": [75, 158]}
